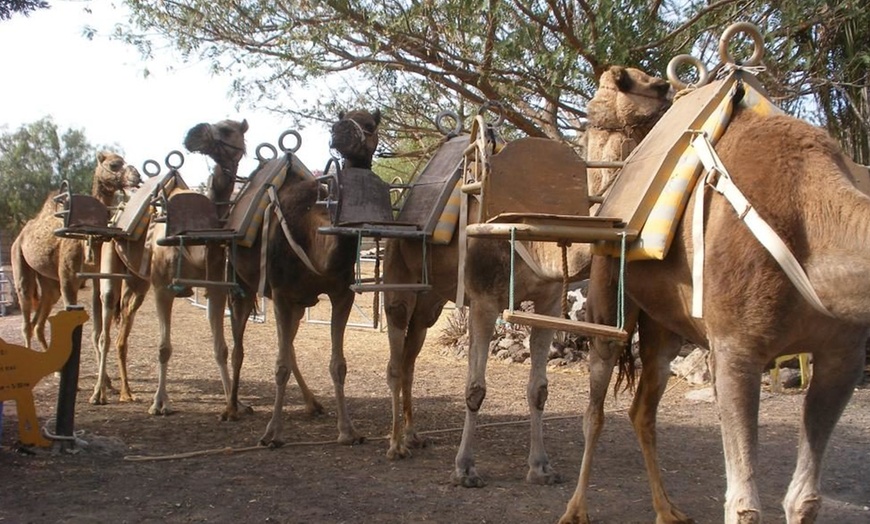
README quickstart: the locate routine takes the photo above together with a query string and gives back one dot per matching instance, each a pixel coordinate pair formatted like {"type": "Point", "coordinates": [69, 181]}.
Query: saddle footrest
{"type": "Point", "coordinates": [564, 324]}
{"type": "Point", "coordinates": [86, 232]}
{"type": "Point", "coordinates": [552, 228]}
{"type": "Point", "coordinates": [368, 288]}
{"type": "Point", "coordinates": [106, 276]}
{"type": "Point", "coordinates": [374, 230]}
{"type": "Point", "coordinates": [198, 238]}
{"type": "Point", "coordinates": [202, 283]}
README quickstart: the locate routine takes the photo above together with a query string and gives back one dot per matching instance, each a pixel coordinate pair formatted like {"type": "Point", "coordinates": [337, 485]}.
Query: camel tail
{"type": "Point", "coordinates": [627, 371]}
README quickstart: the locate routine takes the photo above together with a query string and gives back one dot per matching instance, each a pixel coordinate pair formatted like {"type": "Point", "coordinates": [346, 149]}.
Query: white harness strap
{"type": "Point", "coordinates": [273, 207]}
{"type": "Point", "coordinates": [717, 177]}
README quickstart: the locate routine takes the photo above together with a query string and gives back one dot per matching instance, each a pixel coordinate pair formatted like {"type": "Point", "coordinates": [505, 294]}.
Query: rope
{"type": "Point", "coordinates": [234, 451]}
{"type": "Point", "coordinates": [620, 297]}
{"type": "Point", "coordinates": [376, 300]}
{"type": "Point", "coordinates": [511, 288]}
{"type": "Point", "coordinates": [564, 247]}
{"type": "Point", "coordinates": [358, 255]}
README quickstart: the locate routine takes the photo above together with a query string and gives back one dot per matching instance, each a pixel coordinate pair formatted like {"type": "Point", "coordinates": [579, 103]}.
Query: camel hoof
{"type": "Point", "coordinates": [398, 452]}
{"type": "Point", "coordinates": [314, 409]}
{"type": "Point", "coordinates": [98, 400]}
{"type": "Point", "coordinates": [415, 441]}
{"type": "Point", "coordinates": [467, 480]}
{"type": "Point", "coordinates": [127, 397]}
{"type": "Point", "coordinates": [351, 439]}
{"type": "Point", "coordinates": [162, 411]}
{"type": "Point", "coordinates": [228, 416]}
{"type": "Point", "coordinates": [271, 443]}
{"type": "Point", "coordinates": [547, 477]}
{"type": "Point", "coordinates": [574, 519]}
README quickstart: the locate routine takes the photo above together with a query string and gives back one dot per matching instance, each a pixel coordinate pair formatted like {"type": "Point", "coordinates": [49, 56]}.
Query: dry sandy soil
{"type": "Point", "coordinates": [314, 480]}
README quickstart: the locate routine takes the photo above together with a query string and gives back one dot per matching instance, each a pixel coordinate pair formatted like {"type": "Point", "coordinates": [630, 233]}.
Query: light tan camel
{"type": "Point", "coordinates": [797, 179]}
{"type": "Point", "coordinates": [293, 286]}
{"type": "Point", "coordinates": [224, 143]}
{"type": "Point", "coordinates": [45, 266]}
{"type": "Point", "coordinates": [486, 279]}
{"type": "Point", "coordinates": [22, 368]}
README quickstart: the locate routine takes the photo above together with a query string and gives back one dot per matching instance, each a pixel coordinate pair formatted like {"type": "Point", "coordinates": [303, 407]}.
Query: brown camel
{"type": "Point", "coordinates": [224, 143]}
{"type": "Point", "coordinates": [45, 266]}
{"type": "Point", "coordinates": [22, 368]}
{"type": "Point", "coordinates": [797, 180]}
{"type": "Point", "coordinates": [486, 278]}
{"type": "Point", "coordinates": [294, 284]}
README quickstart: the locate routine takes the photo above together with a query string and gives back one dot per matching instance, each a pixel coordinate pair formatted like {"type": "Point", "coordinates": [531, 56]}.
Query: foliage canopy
{"type": "Point", "coordinates": [539, 58]}
{"type": "Point", "coordinates": [34, 159]}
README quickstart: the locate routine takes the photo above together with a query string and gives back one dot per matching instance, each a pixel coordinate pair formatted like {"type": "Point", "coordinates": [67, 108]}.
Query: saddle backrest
{"type": "Point", "coordinates": [535, 175]}
{"type": "Point", "coordinates": [190, 212]}
{"type": "Point", "coordinates": [363, 198]}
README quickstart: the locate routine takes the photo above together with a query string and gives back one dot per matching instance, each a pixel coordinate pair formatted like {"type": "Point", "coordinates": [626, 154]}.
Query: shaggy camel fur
{"type": "Point", "coordinates": [487, 273]}
{"type": "Point", "coordinates": [45, 267]}
{"type": "Point", "coordinates": [292, 286]}
{"type": "Point", "coordinates": [21, 369]}
{"type": "Point", "coordinates": [223, 142]}
{"type": "Point", "coordinates": [752, 312]}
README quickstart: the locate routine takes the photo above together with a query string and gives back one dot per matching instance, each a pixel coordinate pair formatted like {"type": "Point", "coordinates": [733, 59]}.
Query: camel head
{"type": "Point", "coordinates": [113, 174]}
{"type": "Point", "coordinates": [355, 137]}
{"type": "Point", "coordinates": [223, 142]}
{"type": "Point", "coordinates": [628, 99]}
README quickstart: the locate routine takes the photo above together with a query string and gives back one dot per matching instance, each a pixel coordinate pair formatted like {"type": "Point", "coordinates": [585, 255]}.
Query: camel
{"type": "Point", "coordinates": [224, 143]}
{"type": "Point", "coordinates": [486, 277]}
{"type": "Point", "coordinates": [294, 284]}
{"type": "Point", "coordinates": [797, 179]}
{"type": "Point", "coordinates": [22, 368]}
{"type": "Point", "coordinates": [45, 266]}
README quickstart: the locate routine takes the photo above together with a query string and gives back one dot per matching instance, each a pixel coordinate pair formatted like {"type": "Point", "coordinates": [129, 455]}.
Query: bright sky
{"type": "Point", "coordinates": [50, 69]}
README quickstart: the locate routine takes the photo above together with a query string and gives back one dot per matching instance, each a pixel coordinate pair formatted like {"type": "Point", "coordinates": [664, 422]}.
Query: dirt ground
{"type": "Point", "coordinates": [312, 479]}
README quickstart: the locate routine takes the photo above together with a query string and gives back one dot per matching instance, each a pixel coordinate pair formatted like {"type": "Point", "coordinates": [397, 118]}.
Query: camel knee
{"type": "Point", "coordinates": [474, 397]}
{"type": "Point", "coordinates": [338, 370]}
{"type": "Point", "coordinates": [397, 315]}
{"type": "Point", "coordinates": [282, 375]}
{"type": "Point", "coordinates": [165, 354]}
{"type": "Point", "coordinates": [538, 396]}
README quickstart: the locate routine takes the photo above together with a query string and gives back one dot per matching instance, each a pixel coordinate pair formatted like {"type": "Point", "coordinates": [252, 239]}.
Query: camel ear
{"type": "Point", "coordinates": [101, 156]}
{"type": "Point", "coordinates": [377, 116]}
{"type": "Point", "coordinates": [341, 115]}
{"type": "Point", "coordinates": [621, 78]}
{"type": "Point", "coordinates": [245, 125]}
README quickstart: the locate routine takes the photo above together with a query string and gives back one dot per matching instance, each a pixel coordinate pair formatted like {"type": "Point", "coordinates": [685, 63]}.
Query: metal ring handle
{"type": "Point", "coordinates": [488, 106]}
{"type": "Point", "coordinates": [294, 134]}
{"type": "Point", "coordinates": [444, 130]}
{"type": "Point", "coordinates": [674, 77]}
{"type": "Point", "coordinates": [268, 147]}
{"type": "Point", "coordinates": [154, 164]}
{"type": "Point", "coordinates": [750, 30]}
{"type": "Point", "coordinates": [174, 154]}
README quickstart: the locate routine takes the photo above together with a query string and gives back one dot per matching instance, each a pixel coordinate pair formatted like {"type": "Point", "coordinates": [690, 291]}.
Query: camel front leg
{"type": "Point", "coordinates": [163, 299]}
{"type": "Point", "coordinates": [603, 356]}
{"type": "Point", "coordinates": [482, 317]}
{"type": "Point", "coordinates": [131, 301]}
{"type": "Point", "coordinates": [110, 290]}
{"type": "Point", "coordinates": [540, 470]}
{"type": "Point", "coordinates": [834, 380]}
{"type": "Point", "coordinates": [737, 381]}
{"type": "Point", "coordinates": [241, 306]}
{"type": "Point", "coordinates": [342, 303]}
{"type": "Point", "coordinates": [657, 348]}
{"type": "Point", "coordinates": [287, 319]}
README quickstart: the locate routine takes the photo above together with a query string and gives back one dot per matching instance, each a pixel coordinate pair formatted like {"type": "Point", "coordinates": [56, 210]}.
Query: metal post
{"type": "Point", "coordinates": [66, 398]}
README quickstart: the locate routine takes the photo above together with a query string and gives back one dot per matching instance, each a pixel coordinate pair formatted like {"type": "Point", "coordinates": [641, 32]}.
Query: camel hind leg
{"type": "Point", "coordinates": [164, 299]}
{"type": "Point", "coordinates": [133, 295]}
{"type": "Point", "coordinates": [25, 287]}
{"type": "Point", "coordinates": [241, 306]}
{"type": "Point", "coordinates": [409, 317]}
{"type": "Point", "coordinates": [342, 302]}
{"type": "Point", "coordinates": [657, 348]}
{"type": "Point", "coordinates": [288, 316]}
{"type": "Point", "coordinates": [49, 293]}
{"type": "Point", "coordinates": [835, 376]}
